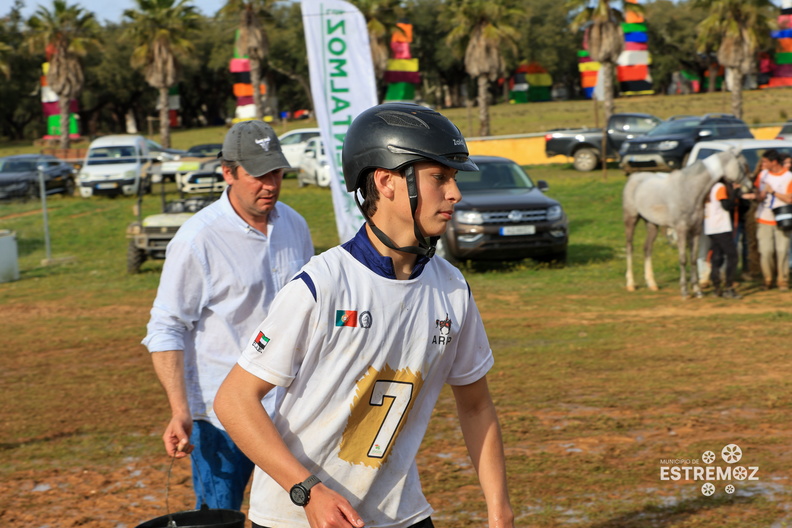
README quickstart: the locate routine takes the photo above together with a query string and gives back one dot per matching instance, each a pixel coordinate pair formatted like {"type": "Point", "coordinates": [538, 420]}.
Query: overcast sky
{"type": "Point", "coordinates": [113, 9]}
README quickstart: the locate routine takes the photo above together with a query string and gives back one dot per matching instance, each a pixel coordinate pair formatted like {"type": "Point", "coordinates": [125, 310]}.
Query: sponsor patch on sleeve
{"type": "Point", "coordinates": [260, 342]}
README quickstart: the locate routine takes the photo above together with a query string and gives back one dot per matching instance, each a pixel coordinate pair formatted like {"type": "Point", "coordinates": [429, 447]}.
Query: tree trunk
{"type": "Point", "coordinates": [735, 85]}
{"type": "Point", "coordinates": [607, 87]}
{"type": "Point", "coordinates": [164, 118]}
{"type": "Point", "coordinates": [63, 104]}
{"type": "Point", "coordinates": [483, 104]}
{"type": "Point", "coordinates": [255, 80]}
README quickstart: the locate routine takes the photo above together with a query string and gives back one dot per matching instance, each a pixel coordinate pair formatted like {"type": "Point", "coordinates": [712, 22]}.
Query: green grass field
{"type": "Point", "coordinates": [595, 386]}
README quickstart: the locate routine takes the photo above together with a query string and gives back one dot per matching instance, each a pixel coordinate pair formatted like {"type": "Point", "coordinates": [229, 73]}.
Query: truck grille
{"type": "Point", "coordinates": [161, 231]}
{"type": "Point", "coordinates": [515, 216]}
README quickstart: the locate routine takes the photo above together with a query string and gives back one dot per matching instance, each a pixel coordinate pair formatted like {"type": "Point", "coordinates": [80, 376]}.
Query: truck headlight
{"type": "Point", "coordinates": [554, 212]}
{"type": "Point", "coordinates": [469, 217]}
{"type": "Point", "coordinates": [130, 174]}
{"type": "Point", "coordinates": [83, 176]}
{"type": "Point", "coordinates": [668, 145]}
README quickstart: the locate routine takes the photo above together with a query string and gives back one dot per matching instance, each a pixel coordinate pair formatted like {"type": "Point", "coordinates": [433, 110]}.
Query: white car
{"type": "Point", "coordinates": [114, 165]}
{"type": "Point", "coordinates": [293, 144]}
{"type": "Point", "coordinates": [314, 167]}
{"type": "Point", "coordinates": [207, 179]}
{"type": "Point", "coordinates": [752, 149]}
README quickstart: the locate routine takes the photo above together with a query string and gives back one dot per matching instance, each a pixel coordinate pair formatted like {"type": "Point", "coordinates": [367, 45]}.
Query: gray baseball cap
{"type": "Point", "coordinates": [255, 146]}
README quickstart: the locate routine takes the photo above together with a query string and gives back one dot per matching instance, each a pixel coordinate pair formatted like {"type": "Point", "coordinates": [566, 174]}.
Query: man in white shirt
{"type": "Point", "coordinates": [363, 340]}
{"type": "Point", "coordinates": [221, 273]}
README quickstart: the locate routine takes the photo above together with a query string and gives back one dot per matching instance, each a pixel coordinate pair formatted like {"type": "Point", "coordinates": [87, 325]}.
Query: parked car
{"type": "Point", "coordinates": [314, 168]}
{"type": "Point", "coordinates": [584, 145]}
{"type": "Point", "coordinates": [207, 179]}
{"type": "Point", "coordinates": [205, 150]}
{"type": "Point", "coordinates": [503, 215]}
{"type": "Point", "coordinates": [752, 149]}
{"type": "Point", "coordinates": [668, 146]}
{"type": "Point", "coordinates": [161, 153]}
{"type": "Point", "coordinates": [19, 176]}
{"type": "Point", "coordinates": [293, 144]}
{"type": "Point", "coordinates": [115, 165]}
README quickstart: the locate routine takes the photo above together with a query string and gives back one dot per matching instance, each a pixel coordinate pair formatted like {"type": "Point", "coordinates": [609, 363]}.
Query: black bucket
{"type": "Point", "coordinates": [203, 518]}
{"type": "Point", "coordinates": [783, 217]}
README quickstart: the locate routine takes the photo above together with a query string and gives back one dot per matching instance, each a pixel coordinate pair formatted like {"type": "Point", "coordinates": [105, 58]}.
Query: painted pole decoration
{"type": "Point", "coordinates": [239, 66]}
{"type": "Point", "coordinates": [530, 82]}
{"type": "Point", "coordinates": [51, 108]}
{"type": "Point", "coordinates": [342, 85]}
{"type": "Point", "coordinates": [402, 74]}
{"type": "Point", "coordinates": [632, 66]}
{"type": "Point", "coordinates": [780, 69]}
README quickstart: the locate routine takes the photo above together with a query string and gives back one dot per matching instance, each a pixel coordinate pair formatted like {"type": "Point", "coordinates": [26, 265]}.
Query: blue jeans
{"type": "Point", "coordinates": [220, 470]}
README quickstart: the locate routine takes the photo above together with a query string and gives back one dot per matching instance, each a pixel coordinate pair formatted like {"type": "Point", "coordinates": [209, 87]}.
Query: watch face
{"type": "Point", "coordinates": [298, 496]}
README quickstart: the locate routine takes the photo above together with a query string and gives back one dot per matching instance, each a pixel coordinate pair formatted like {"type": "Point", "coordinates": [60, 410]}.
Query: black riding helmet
{"type": "Point", "coordinates": [394, 136]}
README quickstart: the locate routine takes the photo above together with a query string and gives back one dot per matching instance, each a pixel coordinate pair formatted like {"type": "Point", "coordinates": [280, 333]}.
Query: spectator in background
{"type": "Point", "coordinates": [718, 210]}
{"type": "Point", "coordinates": [222, 271]}
{"type": "Point", "coordinates": [773, 190]}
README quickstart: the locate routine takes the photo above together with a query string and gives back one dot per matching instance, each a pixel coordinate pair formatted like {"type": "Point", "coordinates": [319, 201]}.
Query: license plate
{"type": "Point", "coordinates": [113, 185]}
{"type": "Point", "coordinates": [205, 180]}
{"type": "Point", "coordinates": [518, 230]}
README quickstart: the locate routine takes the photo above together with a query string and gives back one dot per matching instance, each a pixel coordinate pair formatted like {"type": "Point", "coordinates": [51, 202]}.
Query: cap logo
{"type": "Point", "coordinates": [264, 143]}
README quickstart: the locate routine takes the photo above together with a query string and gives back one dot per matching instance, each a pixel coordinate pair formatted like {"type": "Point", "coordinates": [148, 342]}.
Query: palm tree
{"type": "Point", "coordinates": [253, 42]}
{"type": "Point", "coordinates": [605, 38]}
{"type": "Point", "coordinates": [66, 33]}
{"type": "Point", "coordinates": [738, 26]}
{"type": "Point", "coordinates": [160, 31]}
{"type": "Point", "coordinates": [483, 27]}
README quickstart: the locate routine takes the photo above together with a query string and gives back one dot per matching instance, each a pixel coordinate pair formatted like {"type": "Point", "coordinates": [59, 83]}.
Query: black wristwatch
{"type": "Point", "coordinates": [301, 493]}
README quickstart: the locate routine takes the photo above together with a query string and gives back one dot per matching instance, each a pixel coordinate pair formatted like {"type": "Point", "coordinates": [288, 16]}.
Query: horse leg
{"type": "Point", "coordinates": [651, 235]}
{"type": "Point", "coordinates": [682, 247]}
{"type": "Point", "coordinates": [629, 230]}
{"type": "Point", "coordinates": [694, 278]}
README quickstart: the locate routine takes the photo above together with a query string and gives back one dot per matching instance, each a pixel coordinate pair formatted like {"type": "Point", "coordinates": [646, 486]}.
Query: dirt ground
{"type": "Point", "coordinates": [125, 491]}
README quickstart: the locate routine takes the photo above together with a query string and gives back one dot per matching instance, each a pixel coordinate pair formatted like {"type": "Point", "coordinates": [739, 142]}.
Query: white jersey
{"type": "Point", "coordinates": [364, 358]}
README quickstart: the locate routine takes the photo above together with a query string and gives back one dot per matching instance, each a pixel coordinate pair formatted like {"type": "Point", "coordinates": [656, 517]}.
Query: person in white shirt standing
{"type": "Point", "coordinates": [221, 273]}
{"type": "Point", "coordinates": [774, 190]}
{"type": "Point", "coordinates": [718, 227]}
{"type": "Point", "coordinates": [363, 340]}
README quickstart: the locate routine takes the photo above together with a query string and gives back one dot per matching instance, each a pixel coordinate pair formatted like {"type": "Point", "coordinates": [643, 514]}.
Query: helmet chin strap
{"type": "Point", "coordinates": [426, 246]}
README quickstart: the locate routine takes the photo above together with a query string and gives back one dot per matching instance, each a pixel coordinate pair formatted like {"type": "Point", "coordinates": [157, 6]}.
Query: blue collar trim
{"type": "Point", "coordinates": [362, 249]}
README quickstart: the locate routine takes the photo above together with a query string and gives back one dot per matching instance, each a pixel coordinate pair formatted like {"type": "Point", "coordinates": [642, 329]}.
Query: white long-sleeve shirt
{"type": "Point", "coordinates": [218, 281]}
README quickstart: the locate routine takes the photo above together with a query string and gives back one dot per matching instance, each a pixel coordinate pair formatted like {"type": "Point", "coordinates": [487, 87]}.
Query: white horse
{"type": "Point", "coordinates": [676, 200]}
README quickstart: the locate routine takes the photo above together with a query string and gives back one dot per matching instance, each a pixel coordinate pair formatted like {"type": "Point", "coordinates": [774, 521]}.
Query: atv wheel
{"type": "Point", "coordinates": [135, 258]}
{"type": "Point", "coordinates": [586, 159]}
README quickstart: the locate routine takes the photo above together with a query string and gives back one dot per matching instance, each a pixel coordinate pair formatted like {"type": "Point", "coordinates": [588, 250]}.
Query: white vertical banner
{"type": "Point", "coordinates": [342, 86]}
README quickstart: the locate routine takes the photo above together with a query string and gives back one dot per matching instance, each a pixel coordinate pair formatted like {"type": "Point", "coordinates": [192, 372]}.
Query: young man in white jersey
{"type": "Point", "coordinates": [718, 228]}
{"type": "Point", "coordinates": [774, 190]}
{"type": "Point", "coordinates": [363, 340]}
